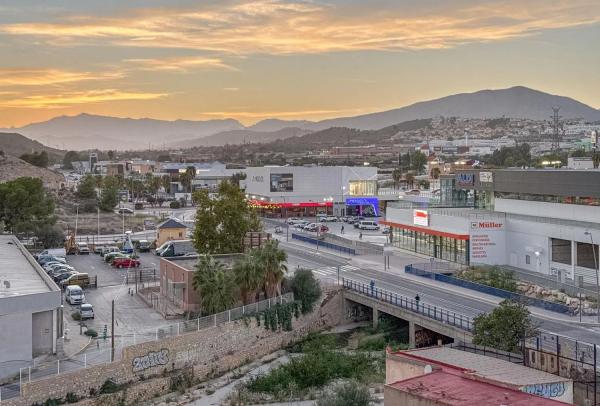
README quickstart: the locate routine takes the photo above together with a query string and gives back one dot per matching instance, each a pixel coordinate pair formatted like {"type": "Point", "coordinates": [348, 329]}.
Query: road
{"type": "Point", "coordinates": [439, 294]}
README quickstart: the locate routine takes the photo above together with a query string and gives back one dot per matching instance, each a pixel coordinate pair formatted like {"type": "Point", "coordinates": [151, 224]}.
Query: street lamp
{"type": "Point", "coordinates": [597, 276]}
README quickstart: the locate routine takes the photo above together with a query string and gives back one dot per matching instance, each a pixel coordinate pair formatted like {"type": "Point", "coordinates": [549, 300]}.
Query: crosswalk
{"type": "Point", "coordinates": [331, 271]}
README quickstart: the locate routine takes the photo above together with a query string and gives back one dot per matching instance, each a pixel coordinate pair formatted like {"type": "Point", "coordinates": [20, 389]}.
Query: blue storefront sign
{"type": "Point", "coordinates": [364, 201]}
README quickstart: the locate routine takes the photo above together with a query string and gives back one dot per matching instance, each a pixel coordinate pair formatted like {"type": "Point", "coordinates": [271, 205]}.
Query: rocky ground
{"type": "Point", "coordinates": [587, 305]}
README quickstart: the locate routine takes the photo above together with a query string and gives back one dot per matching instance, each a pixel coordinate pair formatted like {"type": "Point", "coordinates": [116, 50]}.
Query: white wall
{"type": "Point", "coordinates": [41, 332]}
{"type": "Point", "coordinates": [15, 341]}
{"type": "Point", "coordinates": [438, 222]}
{"type": "Point", "coordinates": [551, 210]}
{"type": "Point", "coordinates": [310, 183]}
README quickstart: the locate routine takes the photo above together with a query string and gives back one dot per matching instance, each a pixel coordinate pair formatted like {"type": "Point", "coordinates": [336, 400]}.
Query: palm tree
{"type": "Point", "coordinates": [214, 284]}
{"type": "Point", "coordinates": [248, 276]}
{"type": "Point", "coordinates": [272, 259]}
{"type": "Point", "coordinates": [397, 176]}
{"type": "Point", "coordinates": [410, 179]}
{"type": "Point", "coordinates": [166, 183]}
{"type": "Point", "coordinates": [435, 172]}
{"type": "Point", "coordinates": [191, 173]}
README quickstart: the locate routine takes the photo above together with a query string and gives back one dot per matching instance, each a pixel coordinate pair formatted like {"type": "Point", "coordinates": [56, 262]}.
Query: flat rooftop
{"type": "Point", "coordinates": [488, 367]}
{"type": "Point", "coordinates": [19, 270]}
{"type": "Point", "coordinates": [449, 389]}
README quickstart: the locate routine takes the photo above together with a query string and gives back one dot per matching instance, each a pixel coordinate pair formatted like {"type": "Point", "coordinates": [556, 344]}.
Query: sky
{"type": "Point", "coordinates": [257, 59]}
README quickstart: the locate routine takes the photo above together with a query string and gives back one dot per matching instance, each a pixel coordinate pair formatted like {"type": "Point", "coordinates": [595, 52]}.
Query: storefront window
{"type": "Point", "coordinates": [561, 251]}
{"type": "Point", "coordinates": [586, 256]}
{"type": "Point", "coordinates": [446, 248]}
{"type": "Point", "coordinates": [363, 187]}
{"type": "Point", "coordinates": [580, 200]}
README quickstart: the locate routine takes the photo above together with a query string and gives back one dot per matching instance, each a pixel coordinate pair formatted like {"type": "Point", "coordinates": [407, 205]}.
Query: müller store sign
{"type": "Point", "coordinates": [487, 241]}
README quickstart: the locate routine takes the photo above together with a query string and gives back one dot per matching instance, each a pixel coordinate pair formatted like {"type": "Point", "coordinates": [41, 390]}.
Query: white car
{"type": "Point", "coordinates": [329, 219]}
{"type": "Point", "coordinates": [368, 225]}
{"type": "Point", "coordinates": [292, 221]}
{"type": "Point", "coordinates": [87, 311]}
{"type": "Point", "coordinates": [83, 248]}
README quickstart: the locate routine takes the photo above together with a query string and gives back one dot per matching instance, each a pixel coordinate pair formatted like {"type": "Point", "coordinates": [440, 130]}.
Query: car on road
{"type": "Point", "coordinates": [83, 248]}
{"type": "Point", "coordinates": [386, 230]}
{"type": "Point", "coordinates": [86, 311]}
{"type": "Point", "coordinates": [415, 192]}
{"type": "Point", "coordinates": [292, 221]}
{"type": "Point", "coordinates": [316, 227]}
{"type": "Point", "coordinates": [125, 263]}
{"type": "Point", "coordinates": [356, 221]}
{"type": "Point", "coordinates": [125, 210]}
{"type": "Point", "coordinates": [301, 224]}
{"type": "Point", "coordinates": [74, 295]}
{"type": "Point", "coordinates": [368, 225]}
{"type": "Point", "coordinates": [329, 219]}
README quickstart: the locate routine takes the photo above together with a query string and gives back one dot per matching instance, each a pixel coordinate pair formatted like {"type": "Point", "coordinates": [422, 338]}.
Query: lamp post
{"type": "Point", "coordinates": [597, 276]}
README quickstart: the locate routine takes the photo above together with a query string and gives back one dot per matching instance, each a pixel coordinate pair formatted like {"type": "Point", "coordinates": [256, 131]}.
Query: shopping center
{"type": "Point", "coordinates": [546, 221]}
{"type": "Point", "coordinates": [305, 191]}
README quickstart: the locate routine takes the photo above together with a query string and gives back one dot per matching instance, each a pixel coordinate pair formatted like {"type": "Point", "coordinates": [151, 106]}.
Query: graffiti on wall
{"type": "Point", "coordinates": [150, 360]}
{"type": "Point", "coordinates": [546, 390]}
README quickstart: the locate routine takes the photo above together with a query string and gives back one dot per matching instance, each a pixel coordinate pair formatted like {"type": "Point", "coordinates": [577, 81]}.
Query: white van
{"type": "Point", "coordinates": [74, 295]}
{"type": "Point", "coordinates": [368, 225]}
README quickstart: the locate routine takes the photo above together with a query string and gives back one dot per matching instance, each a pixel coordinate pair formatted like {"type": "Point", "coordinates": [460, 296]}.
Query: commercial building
{"type": "Point", "coordinates": [30, 308]}
{"type": "Point", "coordinates": [307, 190]}
{"type": "Point", "coordinates": [546, 221]}
{"type": "Point", "coordinates": [446, 376]}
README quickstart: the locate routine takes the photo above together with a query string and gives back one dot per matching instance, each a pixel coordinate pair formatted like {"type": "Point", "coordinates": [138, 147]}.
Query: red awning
{"type": "Point", "coordinates": [281, 205]}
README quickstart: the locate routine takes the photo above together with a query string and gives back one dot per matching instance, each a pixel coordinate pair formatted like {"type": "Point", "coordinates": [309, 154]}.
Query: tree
{"type": "Point", "coordinates": [236, 177]}
{"type": "Point", "coordinates": [25, 206]}
{"type": "Point", "coordinates": [249, 277]}
{"type": "Point", "coordinates": [410, 179]}
{"type": "Point", "coordinates": [110, 193]}
{"type": "Point", "coordinates": [397, 177]}
{"type": "Point", "coordinates": [186, 180]}
{"type": "Point", "coordinates": [419, 160]}
{"type": "Point", "coordinates": [37, 158]}
{"type": "Point", "coordinates": [222, 221]}
{"type": "Point", "coordinates": [435, 172]}
{"type": "Point", "coordinates": [50, 235]}
{"type": "Point", "coordinates": [214, 284]}
{"type": "Point", "coordinates": [87, 187]}
{"type": "Point", "coordinates": [165, 182]}
{"type": "Point", "coordinates": [519, 155]}
{"type": "Point", "coordinates": [505, 327]}
{"type": "Point", "coordinates": [68, 159]}
{"type": "Point", "coordinates": [272, 259]}
{"type": "Point", "coordinates": [306, 289]}
{"type": "Point", "coordinates": [347, 394]}
{"type": "Point", "coordinates": [111, 155]}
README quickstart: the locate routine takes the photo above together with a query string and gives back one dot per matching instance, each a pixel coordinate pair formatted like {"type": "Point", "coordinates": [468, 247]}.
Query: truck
{"type": "Point", "coordinates": [175, 248]}
{"type": "Point", "coordinates": [53, 252]}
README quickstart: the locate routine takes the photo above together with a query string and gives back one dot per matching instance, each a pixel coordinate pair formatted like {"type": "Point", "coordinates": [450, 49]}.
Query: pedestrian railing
{"type": "Point", "coordinates": [101, 351]}
{"type": "Point", "coordinates": [430, 311]}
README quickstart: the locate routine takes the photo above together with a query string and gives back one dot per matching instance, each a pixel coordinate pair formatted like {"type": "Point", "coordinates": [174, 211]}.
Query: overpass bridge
{"type": "Point", "coordinates": [426, 322]}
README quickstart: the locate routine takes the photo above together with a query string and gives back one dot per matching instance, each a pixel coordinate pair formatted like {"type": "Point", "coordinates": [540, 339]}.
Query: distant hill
{"type": "Point", "coordinates": [88, 131]}
{"type": "Point", "coordinates": [17, 145]}
{"type": "Point", "coordinates": [241, 137]}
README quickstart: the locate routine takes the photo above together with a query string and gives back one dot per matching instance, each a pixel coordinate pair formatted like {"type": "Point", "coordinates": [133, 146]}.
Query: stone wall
{"type": "Point", "coordinates": [209, 352]}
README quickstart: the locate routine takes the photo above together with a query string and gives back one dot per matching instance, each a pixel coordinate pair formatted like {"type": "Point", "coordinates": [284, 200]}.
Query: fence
{"type": "Point", "coordinates": [433, 312]}
{"type": "Point", "coordinates": [323, 244]}
{"type": "Point", "coordinates": [487, 351]}
{"type": "Point", "coordinates": [419, 270]}
{"type": "Point", "coordinates": [103, 353]}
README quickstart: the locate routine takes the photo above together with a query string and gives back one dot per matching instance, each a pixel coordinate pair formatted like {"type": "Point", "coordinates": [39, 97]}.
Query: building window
{"type": "Point", "coordinates": [561, 251]}
{"type": "Point", "coordinates": [527, 259]}
{"type": "Point", "coordinates": [586, 256]}
{"type": "Point", "coordinates": [363, 187]}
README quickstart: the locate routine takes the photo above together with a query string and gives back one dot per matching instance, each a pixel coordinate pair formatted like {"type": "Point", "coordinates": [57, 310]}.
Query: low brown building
{"type": "Point", "coordinates": [170, 230]}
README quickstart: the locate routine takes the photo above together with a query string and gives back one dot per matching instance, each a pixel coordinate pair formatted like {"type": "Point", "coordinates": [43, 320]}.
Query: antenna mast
{"type": "Point", "coordinates": [556, 129]}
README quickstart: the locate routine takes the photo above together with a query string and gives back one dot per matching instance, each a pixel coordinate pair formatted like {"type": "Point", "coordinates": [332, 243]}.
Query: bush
{"type": "Point", "coordinates": [347, 394]}
{"type": "Point", "coordinates": [71, 398]}
{"type": "Point", "coordinates": [493, 276]}
{"type": "Point", "coordinates": [174, 205]}
{"type": "Point", "coordinates": [306, 289]}
{"type": "Point", "coordinates": [76, 315]}
{"type": "Point", "coordinates": [109, 386]}
{"type": "Point", "coordinates": [90, 332]}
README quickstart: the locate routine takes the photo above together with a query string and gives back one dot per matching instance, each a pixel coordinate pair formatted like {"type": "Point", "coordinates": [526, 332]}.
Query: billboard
{"type": "Point", "coordinates": [282, 182]}
{"type": "Point", "coordinates": [420, 218]}
{"type": "Point", "coordinates": [487, 241]}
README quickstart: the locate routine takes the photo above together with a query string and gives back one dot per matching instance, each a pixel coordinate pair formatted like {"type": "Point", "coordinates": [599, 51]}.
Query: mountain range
{"type": "Point", "coordinates": [87, 131]}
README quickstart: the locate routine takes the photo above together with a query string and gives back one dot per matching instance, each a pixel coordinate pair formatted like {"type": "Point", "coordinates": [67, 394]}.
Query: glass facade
{"type": "Point", "coordinates": [446, 248]}
{"type": "Point", "coordinates": [362, 187]}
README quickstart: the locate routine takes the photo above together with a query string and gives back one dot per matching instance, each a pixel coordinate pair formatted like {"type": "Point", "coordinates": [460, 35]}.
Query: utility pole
{"type": "Point", "coordinates": [112, 331]}
{"type": "Point", "coordinates": [597, 274]}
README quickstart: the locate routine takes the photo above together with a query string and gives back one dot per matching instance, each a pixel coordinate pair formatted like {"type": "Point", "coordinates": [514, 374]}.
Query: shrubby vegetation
{"type": "Point", "coordinates": [493, 276]}
{"type": "Point", "coordinates": [347, 394]}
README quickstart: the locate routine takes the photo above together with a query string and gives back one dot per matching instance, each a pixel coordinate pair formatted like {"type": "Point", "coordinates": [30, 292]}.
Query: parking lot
{"type": "Point", "coordinates": [131, 313]}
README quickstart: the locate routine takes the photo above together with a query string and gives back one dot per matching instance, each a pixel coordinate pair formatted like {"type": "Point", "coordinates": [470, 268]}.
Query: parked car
{"type": "Point", "coordinates": [86, 311]}
{"type": "Point", "coordinates": [328, 219]}
{"type": "Point", "coordinates": [56, 267]}
{"type": "Point", "coordinates": [125, 263]}
{"type": "Point", "coordinates": [61, 277]}
{"type": "Point", "coordinates": [55, 252]}
{"type": "Point", "coordinates": [50, 258]}
{"type": "Point", "coordinates": [83, 248]}
{"type": "Point", "coordinates": [81, 279]}
{"type": "Point", "coordinates": [413, 192]}
{"type": "Point", "coordinates": [125, 210]}
{"type": "Point", "coordinates": [98, 249]}
{"type": "Point", "coordinates": [109, 248]}
{"type": "Point", "coordinates": [48, 265]}
{"type": "Point", "coordinates": [74, 295]}
{"type": "Point", "coordinates": [112, 255]}
{"type": "Point", "coordinates": [386, 230]}
{"type": "Point", "coordinates": [368, 225]}
{"type": "Point", "coordinates": [357, 220]}
{"type": "Point", "coordinates": [292, 221]}
{"type": "Point", "coordinates": [144, 245]}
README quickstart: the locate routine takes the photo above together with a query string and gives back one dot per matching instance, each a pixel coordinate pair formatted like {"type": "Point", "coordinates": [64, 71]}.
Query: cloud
{"type": "Point", "coordinates": [76, 98]}
{"type": "Point", "coordinates": [47, 76]}
{"type": "Point", "coordinates": [181, 64]}
{"type": "Point", "coordinates": [298, 27]}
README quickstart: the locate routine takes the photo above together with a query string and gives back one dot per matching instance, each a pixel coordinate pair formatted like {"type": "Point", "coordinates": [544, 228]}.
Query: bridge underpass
{"type": "Point", "coordinates": [426, 324]}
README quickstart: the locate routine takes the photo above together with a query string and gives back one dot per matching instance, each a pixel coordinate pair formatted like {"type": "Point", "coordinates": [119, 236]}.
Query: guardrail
{"type": "Point", "coordinates": [433, 312]}
{"type": "Point", "coordinates": [419, 270]}
{"type": "Point", "coordinates": [323, 244]}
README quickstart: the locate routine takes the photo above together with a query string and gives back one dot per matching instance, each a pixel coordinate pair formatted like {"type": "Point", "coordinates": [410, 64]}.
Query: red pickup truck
{"type": "Point", "coordinates": [125, 263]}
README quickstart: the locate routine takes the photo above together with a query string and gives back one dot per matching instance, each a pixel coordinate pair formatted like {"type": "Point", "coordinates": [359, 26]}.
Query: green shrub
{"type": "Point", "coordinates": [347, 394]}
{"type": "Point", "coordinates": [493, 276]}
{"type": "Point", "coordinates": [174, 204]}
{"type": "Point", "coordinates": [90, 332]}
{"type": "Point", "coordinates": [76, 315]}
{"type": "Point", "coordinates": [71, 398]}
{"type": "Point", "coordinates": [306, 289]}
{"type": "Point", "coordinates": [109, 386]}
